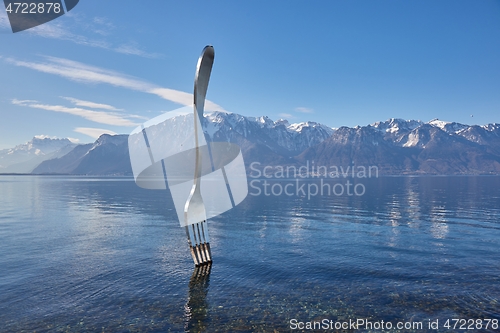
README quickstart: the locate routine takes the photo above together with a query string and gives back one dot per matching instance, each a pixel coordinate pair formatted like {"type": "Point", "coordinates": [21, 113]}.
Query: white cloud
{"type": "Point", "coordinates": [285, 115]}
{"type": "Point", "coordinates": [92, 105]}
{"type": "Point", "coordinates": [138, 117]}
{"type": "Point", "coordinates": [80, 72]}
{"type": "Point", "coordinates": [73, 140]}
{"type": "Point", "coordinates": [304, 109]}
{"type": "Point", "coordinates": [133, 49]}
{"type": "Point", "coordinates": [51, 30]}
{"type": "Point", "coordinates": [95, 116]}
{"type": "Point", "coordinates": [99, 25]}
{"type": "Point", "coordinates": [4, 20]}
{"type": "Point", "coordinates": [102, 26]}
{"type": "Point", "coordinates": [93, 132]}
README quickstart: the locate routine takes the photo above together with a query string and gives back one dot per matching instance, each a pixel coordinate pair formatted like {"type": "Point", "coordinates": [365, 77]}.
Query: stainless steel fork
{"type": "Point", "coordinates": [194, 209]}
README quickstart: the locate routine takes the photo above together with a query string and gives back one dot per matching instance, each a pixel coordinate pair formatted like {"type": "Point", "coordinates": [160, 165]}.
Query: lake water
{"type": "Point", "coordinates": [102, 255]}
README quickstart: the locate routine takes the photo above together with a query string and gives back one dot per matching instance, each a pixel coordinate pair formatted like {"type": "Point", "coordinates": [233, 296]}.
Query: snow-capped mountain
{"type": "Point", "coordinates": [280, 136]}
{"type": "Point", "coordinates": [395, 146]}
{"type": "Point", "coordinates": [395, 129]}
{"type": "Point", "coordinates": [108, 155]}
{"type": "Point", "coordinates": [25, 157]}
{"type": "Point", "coordinates": [398, 146]}
{"type": "Point", "coordinates": [415, 133]}
{"type": "Point", "coordinates": [448, 127]}
{"type": "Point", "coordinates": [260, 138]}
{"type": "Point", "coordinates": [396, 125]}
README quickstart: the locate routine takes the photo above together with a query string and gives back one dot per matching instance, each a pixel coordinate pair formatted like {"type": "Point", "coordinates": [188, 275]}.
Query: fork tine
{"type": "Point", "coordinates": [192, 243]}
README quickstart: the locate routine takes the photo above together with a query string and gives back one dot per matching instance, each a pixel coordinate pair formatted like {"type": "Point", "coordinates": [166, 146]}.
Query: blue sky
{"type": "Point", "coordinates": [109, 65]}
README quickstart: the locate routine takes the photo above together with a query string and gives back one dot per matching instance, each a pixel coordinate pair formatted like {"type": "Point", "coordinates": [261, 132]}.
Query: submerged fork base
{"type": "Point", "coordinates": [201, 254]}
{"type": "Point", "coordinates": [199, 245]}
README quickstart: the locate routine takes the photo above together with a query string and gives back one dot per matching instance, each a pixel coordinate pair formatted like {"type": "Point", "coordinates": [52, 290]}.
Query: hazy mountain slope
{"type": "Point", "coordinates": [25, 157]}
{"type": "Point", "coordinates": [108, 156]}
{"type": "Point", "coordinates": [65, 164]}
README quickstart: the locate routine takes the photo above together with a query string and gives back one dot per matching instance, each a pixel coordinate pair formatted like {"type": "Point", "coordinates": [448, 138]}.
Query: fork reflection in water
{"type": "Point", "coordinates": [196, 309]}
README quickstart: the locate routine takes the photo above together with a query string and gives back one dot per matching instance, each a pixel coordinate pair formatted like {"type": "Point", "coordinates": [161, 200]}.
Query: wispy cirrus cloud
{"type": "Point", "coordinates": [92, 105]}
{"type": "Point", "coordinates": [304, 109]}
{"type": "Point", "coordinates": [102, 26]}
{"type": "Point", "coordinates": [4, 20]}
{"type": "Point", "coordinates": [138, 117]}
{"type": "Point", "coordinates": [101, 117]}
{"type": "Point", "coordinates": [133, 49]}
{"type": "Point", "coordinates": [77, 71]}
{"type": "Point", "coordinates": [93, 132]}
{"type": "Point", "coordinates": [97, 28]}
{"type": "Point", "coordinates": [285, 115]}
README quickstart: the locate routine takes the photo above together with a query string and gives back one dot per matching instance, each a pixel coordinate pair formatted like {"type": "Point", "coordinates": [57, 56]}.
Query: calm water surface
{"type": "Point", "coordinates": [102, 255]}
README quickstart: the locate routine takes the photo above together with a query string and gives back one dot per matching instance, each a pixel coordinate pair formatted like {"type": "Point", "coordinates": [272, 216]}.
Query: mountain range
{"type": "Point", "coordinates": [26, 157]}
{"type": "Point", "coordinates": [399, 146]}
{"type": "Point", "coordinates": [395, 146]}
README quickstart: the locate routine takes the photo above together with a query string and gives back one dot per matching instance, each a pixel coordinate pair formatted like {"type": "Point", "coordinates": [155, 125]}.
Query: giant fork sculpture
{"type": "Point", "coordinates": [205, 178]}
{"type": "Point", "coordinates": [195, 208]}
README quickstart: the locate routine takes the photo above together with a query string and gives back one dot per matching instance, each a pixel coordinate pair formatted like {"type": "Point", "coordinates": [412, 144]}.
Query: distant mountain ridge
{"type": "Point", "coordinates": [259, 137]}
{"type": "Point", "coordinates": [108, 155]}
{"type": "Point", "coordinates": [25, 157]}
{"type": "Point", "coordinates": [395, 146]}
{"type": "Point", "coordinates": [280, 136]}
